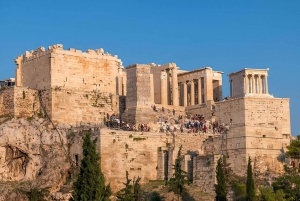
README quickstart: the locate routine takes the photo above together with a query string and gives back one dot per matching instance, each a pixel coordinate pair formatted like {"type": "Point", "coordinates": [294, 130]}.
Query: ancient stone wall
{"type": "Point", "coordinates": [26, 102]}
{"type": "Point", "coordinates": [267, 131]}
{"type": "Point", "coordinates": [141, 154]}
{"type": "Point", "coordinates": [258, 127]}
{"type": "Point", "coordinates": [139, 88]}
{"type": "Point", "coordinates": [268, 112]}
{"type": "Point", "coordinates": [6, 101]}
{"type": "Point", "coordinates": [84, 71]}
{"type": "Point", "coordinates": [73, 69]}
{"type": "Point", "coordinates": [34, 69]}
{"type": "Point", "coordinates": [204, 172]}
{"type": "Point", "coordinates": [19, 102]}
{"type": "Point", "coordinates": [71, 106]}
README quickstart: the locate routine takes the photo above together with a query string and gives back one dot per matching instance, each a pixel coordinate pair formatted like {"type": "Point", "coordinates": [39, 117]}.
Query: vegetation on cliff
{"type": "Point", "coordinates": [294, 149]}
{"type": "Point", "coordinates": [289, 182]}
{"type": "Point", "coordinates": [90, 183]}
{"type": "Point", "coordinates": [131, 192]}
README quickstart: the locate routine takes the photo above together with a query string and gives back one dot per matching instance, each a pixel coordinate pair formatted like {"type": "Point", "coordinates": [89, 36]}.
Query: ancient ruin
{"type": "Point", "coordinates": [92, 90]}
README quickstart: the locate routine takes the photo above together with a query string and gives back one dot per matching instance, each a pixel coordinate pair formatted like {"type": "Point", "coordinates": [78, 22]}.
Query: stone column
{"type": "Point", "coordinates": [163, 88]}
{"type": "Point", "coordinates": [168, 91]}
{"type": "Point", "coordinates": [152, 88]}
{"type": "Point", "coordinates": [175, 87]}
{"type": "Point", "coordinates": [246, 84]}
{"type": "Point", "coordinates": [266, 84]}
{"type": "Point", "coordinates": [259, 84]}
{"type": "Point", "coordinates": [192, 92]}
{"type": "Point", "coordinates": [253, 84]}
{"type": "Point", "coordinates": [184, 94]}
{"type": "Point", "coordinates": [199, 91]}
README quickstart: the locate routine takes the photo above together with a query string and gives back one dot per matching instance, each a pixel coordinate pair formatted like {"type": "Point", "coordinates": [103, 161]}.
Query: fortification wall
{"type": "Point", "coordinates": [141, 154]}
{"type": "Point", "coordinates": [6, 101]}
{"type": "Point", "coordinates": [34, 69]}
{"type": "Point", "coordinates": [74, 69]}
{"type": "Point", "coordinates": [71, 106]}
{"type": "Point", "coordinates": [19, 102]}
{"type": "Point", "coordinates": [26, 102]}
{"type": "Point", "coordinates": [268, 112]}
{"type": "Point", "coordinates": [139, 86]}
{"type": "Point", "coordinates": [61, 105]}
{"type": "Point", "coordinates": [205, 172]}
{"type": "Point", "coordinates": [84, 71]}
{"type": "Point", "coordinates": [259, 128]}
{"type": "Point", "coordinates": [267, 131]}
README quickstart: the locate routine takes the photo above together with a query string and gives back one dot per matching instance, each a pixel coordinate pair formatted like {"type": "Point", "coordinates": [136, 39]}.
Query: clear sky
{"type": "Point", "coordinates": [225, 35]}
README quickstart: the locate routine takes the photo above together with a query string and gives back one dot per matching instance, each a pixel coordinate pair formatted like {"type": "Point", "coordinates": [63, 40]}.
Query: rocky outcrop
{"type": "Point", "coordinates": [32, 154]}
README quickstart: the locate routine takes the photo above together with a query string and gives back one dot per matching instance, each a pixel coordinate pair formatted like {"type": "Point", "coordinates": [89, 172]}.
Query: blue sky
{"type": "Point", "coordinates": [226, 35]}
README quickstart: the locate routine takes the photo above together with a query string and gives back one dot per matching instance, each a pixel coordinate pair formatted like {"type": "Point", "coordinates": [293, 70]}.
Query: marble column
{"type": "Point", "coordinates": [266, 84]}
{"type": "Point", "coordinates": [175, 87]}
{"type": "Point", "coordinates": [168, 89]}
{"type": "Point", "coordinates": [192, 92]}
{"type": "Point", "coordinates": [152, 88]}
{"type": "Point", "coordinates": [163, 88]}
{"type": "Point", "coordinates": [199, 91]}
{"type": "Point", "coordinates": [253, 84]}
{"type": "Point", "coordinates": [244, 89]}
{"type": "Point", "coordinates": [184, 94]}
{"type": "Point", "coordinates": [259, 84]}
{"type": "Point", "coordinates": [246, 84]}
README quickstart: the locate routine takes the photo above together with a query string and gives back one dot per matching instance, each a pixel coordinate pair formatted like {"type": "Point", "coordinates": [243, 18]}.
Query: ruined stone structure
{"type": "Point", "coordinates": [70, 86]}
{"type": "Point", "coordinates": [249, 82]}
{"type": "Point", "coordinates": [77, 86]}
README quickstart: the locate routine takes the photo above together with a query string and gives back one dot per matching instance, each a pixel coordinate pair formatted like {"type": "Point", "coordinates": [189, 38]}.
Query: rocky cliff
{"type": "Point", "coordinates": [34, 154]}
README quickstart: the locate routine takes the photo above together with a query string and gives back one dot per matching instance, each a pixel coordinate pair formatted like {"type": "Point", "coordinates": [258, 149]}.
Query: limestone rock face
{"type": "Point", "coordinates": [31, 151]}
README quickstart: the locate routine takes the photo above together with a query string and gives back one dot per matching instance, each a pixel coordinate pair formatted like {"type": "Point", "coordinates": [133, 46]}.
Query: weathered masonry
{"type": "Point", "coordinates": [249, 82]}
{"type": "Point", "coordinates": [76, 86]}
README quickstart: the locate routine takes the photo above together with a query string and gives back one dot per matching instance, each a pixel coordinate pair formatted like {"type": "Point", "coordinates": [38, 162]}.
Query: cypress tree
{"type": "Point", "coordinates": [90, 183]}
{"type": "Point", "coordinates": [179, 178]}
{"type": "Point", "coordinates": [250, 182]}
{"type": "Point", "coordinates": [220, 187]}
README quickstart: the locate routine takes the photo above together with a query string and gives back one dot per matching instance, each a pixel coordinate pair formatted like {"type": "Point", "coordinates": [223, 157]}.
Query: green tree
{"type": "Point", "coordinates": [267, 194]}
{"type": "Point", "coordinates": [179, 178]}
{"type": "Point", "coordinates": [131, 192]}
{"type": "Point", "coordinates": [90, 183]}
{"type": "Point", "coordinates": [36, 194]}
{"type": "Point", "coordinates": [155, 196]}
{"type": "Point", "coordinates": [250, 188]}
{"type": "Point", "coordinates": [239, 190]}
{"type": "Point", "coordinates": [220, 187]}
{"type": "Point", "coordinates": [294, 149]}
{"type": "Point", "coordinates": [289, 182]}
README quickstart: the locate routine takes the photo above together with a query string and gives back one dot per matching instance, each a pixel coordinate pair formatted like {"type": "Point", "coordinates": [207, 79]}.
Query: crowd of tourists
{"type": "Point", "coordinates": [176, 124]}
